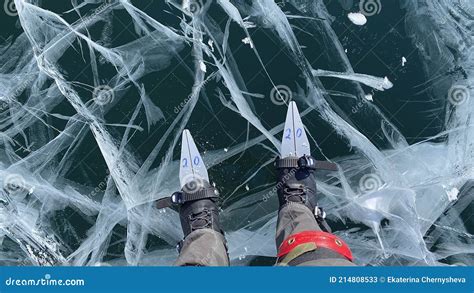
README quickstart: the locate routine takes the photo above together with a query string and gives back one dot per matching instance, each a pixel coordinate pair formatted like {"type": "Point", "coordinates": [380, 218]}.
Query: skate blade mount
{"type": "Point", "coordinates": [192, 172]}
{"type": "Point", "coordinates": [295, 142]}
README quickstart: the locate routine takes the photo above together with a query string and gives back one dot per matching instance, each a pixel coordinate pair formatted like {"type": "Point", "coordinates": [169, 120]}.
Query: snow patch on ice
{"type": "Point", "coordinates": [357, 18]}
{"type": "Point", "coordinates": [248, 41]}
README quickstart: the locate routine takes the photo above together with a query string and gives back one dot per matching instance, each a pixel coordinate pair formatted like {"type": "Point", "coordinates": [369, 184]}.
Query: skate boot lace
{"type": "Point", "coordinates": [295, 193]}
{"type": "Point", "coordinates": [201, 220]}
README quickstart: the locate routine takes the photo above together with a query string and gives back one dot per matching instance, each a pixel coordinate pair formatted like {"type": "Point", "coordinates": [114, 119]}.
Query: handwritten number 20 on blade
{"type": "Point", "coordinates": [193, 176]}
{"type": "Point", "coordinates": [192, 169]}
{"type": "Point", "coordinates": [294, 142]}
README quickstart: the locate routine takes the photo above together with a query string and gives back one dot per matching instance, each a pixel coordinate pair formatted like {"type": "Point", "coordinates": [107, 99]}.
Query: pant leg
{"type": "Point", "coordinates": [294, 218]}
{"type": "Point", "coordinates": [203, 247]}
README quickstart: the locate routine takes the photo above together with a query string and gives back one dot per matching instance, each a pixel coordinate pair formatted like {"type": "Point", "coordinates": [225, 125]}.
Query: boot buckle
{"type": "Point", "coordinates": [307, 162]}
{"type": "Point", "coordinates": [177, 198]}
{"type": "Point", "coordinates": [319, 213]}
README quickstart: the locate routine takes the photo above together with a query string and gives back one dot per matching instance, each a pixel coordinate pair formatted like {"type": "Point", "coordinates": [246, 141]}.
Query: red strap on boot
{"type": "Point", "coordinates": [320, 239]}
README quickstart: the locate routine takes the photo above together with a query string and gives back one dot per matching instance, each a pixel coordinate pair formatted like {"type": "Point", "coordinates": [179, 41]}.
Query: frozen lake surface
{"type": "Point", "coordinates": [94, 96]}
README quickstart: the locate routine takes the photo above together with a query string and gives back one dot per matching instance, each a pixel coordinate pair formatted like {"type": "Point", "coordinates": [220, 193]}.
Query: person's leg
{"type": "Point", "coordinates": [294, 219]}
{"type": "Point", "coordinates": [204, 247]}
{"type": "Point", "coordinates": [204, 243]}
{"type": "Point", "coordinates": [299, 237]}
